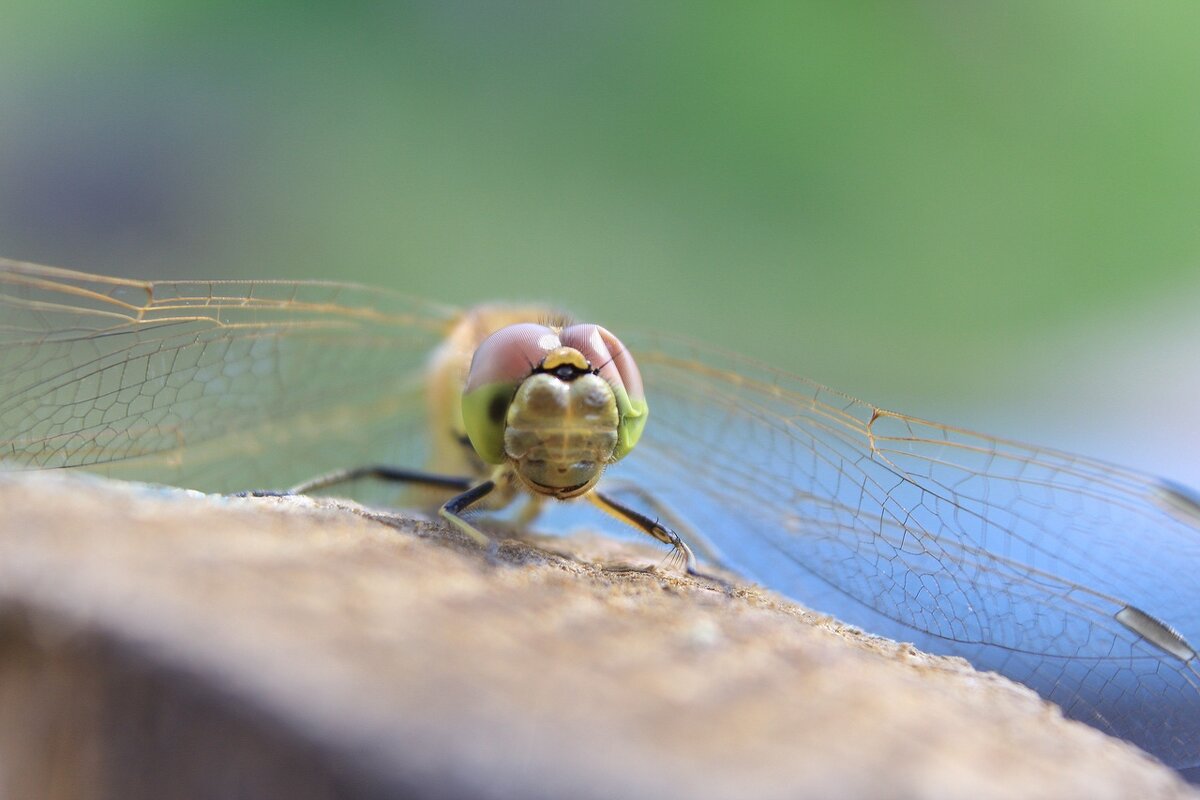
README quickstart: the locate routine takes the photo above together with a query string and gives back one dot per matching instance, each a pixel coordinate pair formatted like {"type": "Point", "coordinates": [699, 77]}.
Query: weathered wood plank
{"type": "Point", "coordinates": [159, 644]}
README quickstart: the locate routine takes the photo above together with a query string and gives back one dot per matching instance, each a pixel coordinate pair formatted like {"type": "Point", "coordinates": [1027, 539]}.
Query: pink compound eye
{"type": "Point", "coordinates": [608, 355]}
{"type": "Point", "coordinates": [510, 354]}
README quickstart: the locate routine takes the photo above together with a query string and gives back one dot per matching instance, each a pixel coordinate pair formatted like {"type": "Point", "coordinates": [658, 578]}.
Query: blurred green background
{"type": "Point", "coordinates": [982, 213]}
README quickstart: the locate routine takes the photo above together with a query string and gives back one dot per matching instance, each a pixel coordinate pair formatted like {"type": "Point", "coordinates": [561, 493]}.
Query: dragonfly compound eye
{"type": "Point", "coordinates": [484, 412]}
{"type": "Point", "coordinates": [614, 364]}
{"type": "Point", "coordinates": [500, 363]}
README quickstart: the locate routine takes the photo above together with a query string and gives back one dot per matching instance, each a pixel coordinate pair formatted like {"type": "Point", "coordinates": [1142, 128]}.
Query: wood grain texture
{"type": "Point", "coordinates": [160, 643]}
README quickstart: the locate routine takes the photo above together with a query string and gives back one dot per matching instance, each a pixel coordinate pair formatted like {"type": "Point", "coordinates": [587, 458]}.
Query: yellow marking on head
{"type": "Point", "coordinates": [565, 356]}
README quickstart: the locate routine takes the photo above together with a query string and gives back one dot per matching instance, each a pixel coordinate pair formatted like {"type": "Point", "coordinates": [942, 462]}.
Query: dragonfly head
{"type": "Point", "coordinates": [558, 404]}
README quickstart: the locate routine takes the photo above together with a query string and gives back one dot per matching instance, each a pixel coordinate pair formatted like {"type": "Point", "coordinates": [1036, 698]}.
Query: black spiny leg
{"type": "Point", "coordinates": [377, 471]}
{"type": "Point", "coordinates": [470, 492]}
{"type": "Point", "coordinates": [655, 529]}
{"type": "Point", "coordinates": [454, 507]}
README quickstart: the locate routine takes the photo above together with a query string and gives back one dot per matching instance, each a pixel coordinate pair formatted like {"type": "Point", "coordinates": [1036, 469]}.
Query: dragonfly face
{"type": "Point", "coordinates": [555, 403]}
{"type": "Point", "coordinates": [561, 429]}
{"type": "Point", "coordinates": [1073, 576]}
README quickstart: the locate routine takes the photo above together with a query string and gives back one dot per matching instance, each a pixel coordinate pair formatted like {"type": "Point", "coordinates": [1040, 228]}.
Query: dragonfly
{"type": "Point", "coordinates": [1075, 577]}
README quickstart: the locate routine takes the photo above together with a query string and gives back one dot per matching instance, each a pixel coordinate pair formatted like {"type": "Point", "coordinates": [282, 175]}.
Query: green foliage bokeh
{"type": "Point", "coordinates": [879, 189]}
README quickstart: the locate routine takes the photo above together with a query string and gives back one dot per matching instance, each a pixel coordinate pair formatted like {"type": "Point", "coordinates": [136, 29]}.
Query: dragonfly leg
{"type": "Point", "coordinates": [384, 473]}
{"type": "Point", "coordinates": [453, 508]}
{"type": "Point", "coordinates": [471, 492]}
{"type": "Point", "coordinates": [655, 529]}
{"type": "Point", "coordinates": [663, 511]}
{"type": "Point", "coordinates": [377, 471]}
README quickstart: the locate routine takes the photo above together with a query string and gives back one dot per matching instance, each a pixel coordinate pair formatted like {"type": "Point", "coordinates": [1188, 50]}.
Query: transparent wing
{"type": "Point", "coordinates": [218, 386]}
{"type": "Point", "coordinates": [1056, 570]}
{"type": "Point", "coordinates": [1052, 569]}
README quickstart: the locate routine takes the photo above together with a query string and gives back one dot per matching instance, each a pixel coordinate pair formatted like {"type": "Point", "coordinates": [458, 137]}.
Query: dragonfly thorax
{"type": "Point", "coordinates": [559, 434]}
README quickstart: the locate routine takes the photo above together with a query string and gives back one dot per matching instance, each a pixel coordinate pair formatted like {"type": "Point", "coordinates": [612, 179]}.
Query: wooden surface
{"type": "Point", "coordinates": [159, 644]}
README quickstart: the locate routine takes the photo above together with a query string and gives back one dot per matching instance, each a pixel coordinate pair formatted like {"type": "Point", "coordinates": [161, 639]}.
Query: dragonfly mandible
{"type": "Point", "coordinates": [1075, 577]}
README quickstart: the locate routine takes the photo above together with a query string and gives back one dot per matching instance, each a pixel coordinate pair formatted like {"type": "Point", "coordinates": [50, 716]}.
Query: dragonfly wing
{"type": "Point", "coordinates": [1058, 571]}
{"type": "Point", "coordinates": [218, 385]}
